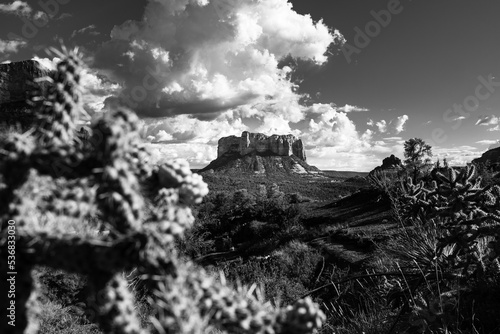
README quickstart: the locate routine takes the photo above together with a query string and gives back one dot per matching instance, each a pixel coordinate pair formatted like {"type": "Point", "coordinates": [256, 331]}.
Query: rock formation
{"type": "Point", "coordinates": [16, 85]}
{"type": "Point", "coordinates": [260, 154]}
{"type": "Point", "coordinates": [491, 158]}
{"type": "Point", "coordinates": [248, 143]}
{"type": "Point", "coordinates": [391, 163]}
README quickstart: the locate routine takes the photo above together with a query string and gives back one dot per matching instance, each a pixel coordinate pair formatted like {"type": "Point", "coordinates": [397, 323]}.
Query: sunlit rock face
{"type": "Point", "coordinates": [256, 153]}
{"type": "Point", "coordinates": [17, 82]}
{"type": "Point", "coordinates": [249, 143]}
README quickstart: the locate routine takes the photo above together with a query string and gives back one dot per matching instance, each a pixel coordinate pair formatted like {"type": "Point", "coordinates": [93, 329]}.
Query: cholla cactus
{"type": "Point", "coordinates": [113, 173]}
{"type": "Point", "coordinates": [466, 211]}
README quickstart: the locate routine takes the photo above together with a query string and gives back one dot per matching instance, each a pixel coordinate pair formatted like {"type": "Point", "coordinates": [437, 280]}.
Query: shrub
{"type": "Point", "coordinates": [465, 212]}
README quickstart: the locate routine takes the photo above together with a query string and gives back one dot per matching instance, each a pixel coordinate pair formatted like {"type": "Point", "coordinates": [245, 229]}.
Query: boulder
{"type": "Point", "coordinates": [16, 86]}
{"type": "Point", "coordinates": [258, 143]}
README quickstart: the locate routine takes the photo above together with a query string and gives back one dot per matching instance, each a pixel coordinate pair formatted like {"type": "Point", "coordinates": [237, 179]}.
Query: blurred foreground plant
{"type": "Point", "coordinates": [110, 171]}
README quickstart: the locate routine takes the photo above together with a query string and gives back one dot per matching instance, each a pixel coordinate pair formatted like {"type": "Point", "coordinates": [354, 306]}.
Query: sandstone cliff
{"type": "Point", "coordinates": [248, 143]}
{"type": "Point", "coordinates": [16, 85]}
{"type": "Point", "coordinates": [257, 153]}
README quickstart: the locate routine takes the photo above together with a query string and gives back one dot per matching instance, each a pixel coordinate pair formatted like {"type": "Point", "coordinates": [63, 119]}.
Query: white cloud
{"type": "Point", "coordinates": [198, 155]}
{"type": "Point", "coordinates": [91, 30]}
{"type": "Point", "coordinates": [492, 143]}
{"type": "Point", "coordinates": [395, 126]}
{"type": "Point", "coordinates": [382, 126]}
{"type": "Point", "coordinates": [22, 8]}
{"type": "Point", "coordinates": [349, 108]}
{"type": "Point", "coordinates": [486, 142]}
{"type": "Point", "coordinates": [456, 156]}
{"type": "Point", "coordinates": [496, 128]}
{"type": "Point", "coordinates": [19, 8]}
{"type": "Point", "coordinates": [12, 46]}
{"type": "Point", "coordinates": [218, 55]}
{"type": "Point", "coordinates": [162, 135]}
{"type": "Point", "coordinates": [96, 88]}
{"type": "Point", "coordinates": [183, 128]}
{"type": "Point", "coordinates": [488, 120]}
{"type": "Point", "coordinates": [399, 123]}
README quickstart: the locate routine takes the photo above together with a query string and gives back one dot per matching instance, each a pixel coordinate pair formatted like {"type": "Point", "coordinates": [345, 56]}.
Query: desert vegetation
{"type": "Point", "coordinates": [107, 243]}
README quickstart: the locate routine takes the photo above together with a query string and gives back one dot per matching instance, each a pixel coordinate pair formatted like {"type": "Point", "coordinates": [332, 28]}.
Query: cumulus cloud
{"type": "Point", "coordinates": [329, 127]}
{"type": "Point", "coordinates": [199, 70]}
{"type": "Point", "coordinates": [22, 8]}
{"type": "Point", "coordinates": [198, 155]}
{"type": "Point", "coordinates": [488, 120]}
{"type": "Point", "coordinates": [19, 8]}
{"type": "Point", "coordinates": [394, 126]}
{"type": "Point", "coordinates": [11, 46]}
{"type": "Point", "coordinates": [382, 126]}
{"type": "Point", "coordinates": [162, 135]}
{"type": "Point", "coordinates": [204, 57]}
{"type": "Point", "coordinates": [399, 123]}
{"type": "Point", "coordinates": [96, 87]}
{"type": "Point", "coordinates": [183, 128]}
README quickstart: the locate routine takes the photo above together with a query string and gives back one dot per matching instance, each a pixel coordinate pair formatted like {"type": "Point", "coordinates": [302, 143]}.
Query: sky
{"type": "Point", "coordinates": [353, 79]}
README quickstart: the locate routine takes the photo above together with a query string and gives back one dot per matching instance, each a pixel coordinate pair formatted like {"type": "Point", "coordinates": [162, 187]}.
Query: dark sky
{"type": "Point", "coordinates": [433, 59]}
{"type": "Point", "coordinates": [426, 60]}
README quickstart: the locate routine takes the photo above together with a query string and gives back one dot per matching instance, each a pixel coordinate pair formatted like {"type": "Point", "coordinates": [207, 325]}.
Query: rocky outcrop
{"type": "Point", "coordinates": [391, 163]}
{"type": "Point", "coordinates": [256, 153]}
{"type": "Point", "coordinates": [16, 85]}
{"type": "Point", "coordinates": [260, 144]}
{"type": "Point", "coordinates": [490, 158]}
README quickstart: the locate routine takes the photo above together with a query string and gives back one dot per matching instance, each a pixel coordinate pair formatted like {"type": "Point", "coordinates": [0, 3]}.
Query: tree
{"type": "Point", "coordinates": [417, 154]}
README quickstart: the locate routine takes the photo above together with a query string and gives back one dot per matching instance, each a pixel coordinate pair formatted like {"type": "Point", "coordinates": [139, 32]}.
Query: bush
{"type": "Point", "coordinates": [286, 273]}
{"type": "Point", "coordinates": [244, 217]}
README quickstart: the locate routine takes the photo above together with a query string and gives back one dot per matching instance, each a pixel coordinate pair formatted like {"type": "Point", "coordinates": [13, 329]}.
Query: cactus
{"type": "Point", "coordinates": [465, 210]}
{"type": "Point", "coordinates": [111, 176]}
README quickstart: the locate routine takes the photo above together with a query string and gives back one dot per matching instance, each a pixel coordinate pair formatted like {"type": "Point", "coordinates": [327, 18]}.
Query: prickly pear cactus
{"type": "Point", "coordinates": [109, 173]}
{"type": "Point", "coordinates": [465, 211]}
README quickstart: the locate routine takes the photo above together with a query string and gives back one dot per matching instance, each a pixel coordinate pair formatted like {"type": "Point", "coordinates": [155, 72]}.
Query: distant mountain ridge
{"type": "Point", "coordinates": [257, 153]}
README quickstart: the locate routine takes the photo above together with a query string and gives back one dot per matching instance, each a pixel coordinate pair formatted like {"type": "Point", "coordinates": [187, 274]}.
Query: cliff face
{"type": "Point", "coordinates": [16, 85]}
{"type": "Point", "coordinates": [256, 153]}
{"type": "Point", "coordinates": [248, 143]}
